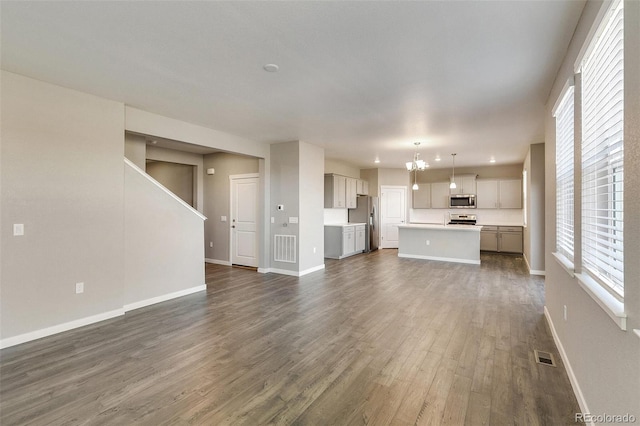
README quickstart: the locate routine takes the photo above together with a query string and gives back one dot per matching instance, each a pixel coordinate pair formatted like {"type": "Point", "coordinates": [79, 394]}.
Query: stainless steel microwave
{"type": "Point", "coordinates": [460, 201]}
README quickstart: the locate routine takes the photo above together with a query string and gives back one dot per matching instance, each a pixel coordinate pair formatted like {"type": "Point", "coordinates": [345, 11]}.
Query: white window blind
{"type": "Point", "coordinates": [602, 154]}
{"type": "Point", "coordinates": [564, 175]}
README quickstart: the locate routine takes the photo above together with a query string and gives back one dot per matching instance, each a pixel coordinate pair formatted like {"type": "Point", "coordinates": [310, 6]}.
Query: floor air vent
{"type": "Point", "coordinates": [544, 358]}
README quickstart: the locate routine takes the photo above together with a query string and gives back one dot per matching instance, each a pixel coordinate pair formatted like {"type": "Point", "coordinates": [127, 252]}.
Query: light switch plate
{"type": "Point", "coordinates": [79, 288]}
{"type": "Point", "coordinates": [18, 229]}
{"type": "Point", "coordinates": [223, 218]}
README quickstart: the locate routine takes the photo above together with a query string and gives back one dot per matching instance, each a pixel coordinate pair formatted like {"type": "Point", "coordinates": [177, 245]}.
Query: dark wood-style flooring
{"type": "Point", "coordinates": [373, 339]}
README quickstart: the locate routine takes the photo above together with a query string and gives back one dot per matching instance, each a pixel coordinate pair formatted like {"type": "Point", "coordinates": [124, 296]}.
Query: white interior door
{"type": "Point", "coordinates": [393, 206]}
{"type": "Point", "coordinates": [244, 221]}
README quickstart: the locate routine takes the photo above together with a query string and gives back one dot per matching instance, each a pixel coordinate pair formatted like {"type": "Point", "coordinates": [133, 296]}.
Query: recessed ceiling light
{"type": "Point", "coordinates": [271, 68]}
{"type": "Point", "coordinates": [438, 158]}
{"type": "Point", "coordinates": [376, 161]}
{"type": "Point", "coordinates": [493, 160]}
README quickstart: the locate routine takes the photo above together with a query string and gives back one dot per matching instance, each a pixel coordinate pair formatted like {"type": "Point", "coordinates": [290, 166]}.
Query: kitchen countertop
{"type": "Point", "coordinates": [470, 228]}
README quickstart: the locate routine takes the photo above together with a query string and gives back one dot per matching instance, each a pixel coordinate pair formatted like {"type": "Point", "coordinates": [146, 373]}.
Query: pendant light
{"type": "Point", "coordinates": [415, 180]}
{"type": "Point", "coordinates": [452, 185]}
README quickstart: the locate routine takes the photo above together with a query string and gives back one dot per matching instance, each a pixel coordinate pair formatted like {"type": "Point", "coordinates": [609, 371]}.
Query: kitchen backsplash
{"type": "Point", "coordinates": [332, 216]}
{"type": "Point", "coordinates": [513, 217]}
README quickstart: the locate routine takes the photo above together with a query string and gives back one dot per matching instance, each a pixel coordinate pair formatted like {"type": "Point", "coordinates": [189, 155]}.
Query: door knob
{"type": "Point", "coordinates": [233, 226]}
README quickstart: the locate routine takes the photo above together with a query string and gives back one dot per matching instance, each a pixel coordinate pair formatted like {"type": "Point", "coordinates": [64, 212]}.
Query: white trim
{"type": "Point", "coordinates": [566, 264]}
{"type": "Point", "coordinates": [442, 259]}
{"type": "Point", "coordinates": [567, 85]}
{"type": "Point", "coordinates": [245, 176]}
{"type": "Point", "coordinates": [591, 35]}
{"type": "Point", "coordinates": [217, 262]}
{"type": "Point", "coordinates": [291, 273]}
{"type": "Point", "coordinates": [567, 365]}
{"type": "Point", "coordinates": [310, 270]}
{"type": "Point", "coordinates": [44, 332]}
{"type": "Point", "coordinates": [532, 271]}
{"type": "Point", "coordinates": [637, 331]}
{"type": "Point", "coordinates": [164, 298]}
{"type": "Point", "coordinates": [160, 186]}
{"type": "Point", "coordinates": [612, 306]}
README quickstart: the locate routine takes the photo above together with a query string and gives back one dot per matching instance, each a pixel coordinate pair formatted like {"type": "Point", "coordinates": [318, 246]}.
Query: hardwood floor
{"type": "Point", "coordinates": [373, 339]}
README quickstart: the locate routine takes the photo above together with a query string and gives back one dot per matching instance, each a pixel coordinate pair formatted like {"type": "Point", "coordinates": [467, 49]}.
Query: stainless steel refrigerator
{"type": "Point", "coordinates": [367, 212]}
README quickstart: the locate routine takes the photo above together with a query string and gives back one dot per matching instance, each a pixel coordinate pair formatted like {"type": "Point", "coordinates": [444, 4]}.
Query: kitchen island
{"type": "Point", "coordinates": [449, 243]}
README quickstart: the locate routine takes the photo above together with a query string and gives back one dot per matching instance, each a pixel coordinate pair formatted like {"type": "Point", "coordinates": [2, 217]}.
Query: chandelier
{"type": "Point", "coordinates": [415, 165]}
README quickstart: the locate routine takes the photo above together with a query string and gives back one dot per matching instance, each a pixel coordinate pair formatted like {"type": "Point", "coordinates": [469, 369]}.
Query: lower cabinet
{"type": "Point", "coordinates": [504, 239]}
{"type": "Point", "coordinates": [343, 240]}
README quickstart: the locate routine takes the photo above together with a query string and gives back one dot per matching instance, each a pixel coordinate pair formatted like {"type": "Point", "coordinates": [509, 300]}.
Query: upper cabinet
{"type": "Point", "coordinates": [499, 194]}
{"type": "Point", "coordinates": [335, 192]}
{"type": "Point", "coordinates": [352, 196]}
{"type": "Point", "coordinates": [362, 187]}
{"type": "Point", "coordinates": [422, 196]}
{"type": "Point", "coordinates": [341, 192]}
{"type": "Point", "coordinates": [465, 184]}
{"type": "Point", "coordinates": [440, 195]}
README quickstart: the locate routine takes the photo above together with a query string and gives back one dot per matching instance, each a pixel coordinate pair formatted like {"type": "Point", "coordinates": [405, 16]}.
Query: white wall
{"type": "Point", "coordinates": [163, 248]}
{"type": "Point", "coordinates": [603, 361]}
{"type": "Point", "coordinates": [62, 177]}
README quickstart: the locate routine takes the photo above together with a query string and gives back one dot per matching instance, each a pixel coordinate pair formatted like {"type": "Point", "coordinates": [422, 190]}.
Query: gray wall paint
{"type": "Point", "coordinates": [163, 242]}
{"type": "Point", "coordinates": [311, 206]}
{"type": "Point", "coordinates": [181, 157]}
{"type": "Point", "coordinates": [285, 190]}
{"type": "Point", "coordinates": [534, 232]}
{"type": "Point", "coordinates": [62, 177]}
{"type": "Point", "coordinates": [135, 149]}
{"type": "Point", "coordinates": [604, 359]}
{"type": "Point", "coordinates": [341, 168]}
{"type": "Point", "coordinates": [217, 195]}
{"type": "Point", "coordinates": [371, 176]}
{"type": "Point", "coordinates": [177, 178]}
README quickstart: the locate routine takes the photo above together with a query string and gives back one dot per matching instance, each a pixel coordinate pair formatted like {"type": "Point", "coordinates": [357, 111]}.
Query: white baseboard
{"type": "Point", "coordinates": [163, 298]}
{"type": "Point", "coordinates": [217, 262]}
{"type": "Point", "coordinates": [290, 273]}
{"type": "Point", "coordinates": [572, 377]}
{"type": "Point", "coordinates": [442, 259]}
{"type": "Point", "coordinates": [49, 331]}
{"type": "Point", "coordinates": [532, 271]}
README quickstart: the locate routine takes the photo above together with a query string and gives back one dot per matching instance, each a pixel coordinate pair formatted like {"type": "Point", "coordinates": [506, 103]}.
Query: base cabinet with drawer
{"type": "Point", "coordinates": [503, 239]}
{"type": "Point", "coordinates": [341, 241]}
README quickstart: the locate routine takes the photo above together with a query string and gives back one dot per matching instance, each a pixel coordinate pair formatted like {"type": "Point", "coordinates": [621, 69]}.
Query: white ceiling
{"type": "Point", "coordinates": [361, 79]}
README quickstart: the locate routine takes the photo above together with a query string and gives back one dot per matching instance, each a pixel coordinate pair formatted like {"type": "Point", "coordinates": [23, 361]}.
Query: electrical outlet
{"type": "Point", "coordinates": [314, 249]}
{"type": "Point", "coordinates": [565, 312]}
{"type": "Point", "coordinates": [79, 288]}
{"type": "Point", "coordinates": [273, 220]}
{"type": "Point", "coordinates": [428, 242]}
{"type": "Point", "coordinates": [223, 218]}
{"type": "Point", "coordinates": [211, 244]}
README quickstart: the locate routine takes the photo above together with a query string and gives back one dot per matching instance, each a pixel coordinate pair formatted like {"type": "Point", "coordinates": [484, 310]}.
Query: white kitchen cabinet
{"type": "Point", "coordinates": [335, 192]}
{"type": "Point", "coordinates": [341, 241]}
{"type": "Point", "coordinates": [465, 184]}
{"type": "Point", "coordinates": [422, 196]}
{"type": "Point", "coordinates": [361, 238]}
{"type": "Point", "coordinates": [510, 194]}
{"type": "Point", "coordinates": [352, 193]}
{"type": "Point", "coordinates": [440, 195]}
{"type": "Point", "coordinates": [499, 194]}
{"type": "Point", "coordinates": [362, 187]}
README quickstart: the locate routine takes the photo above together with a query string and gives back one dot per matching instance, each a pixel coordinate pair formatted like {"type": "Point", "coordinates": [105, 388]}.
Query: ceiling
{"type": "Point", "coordinates": [364, 80]}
